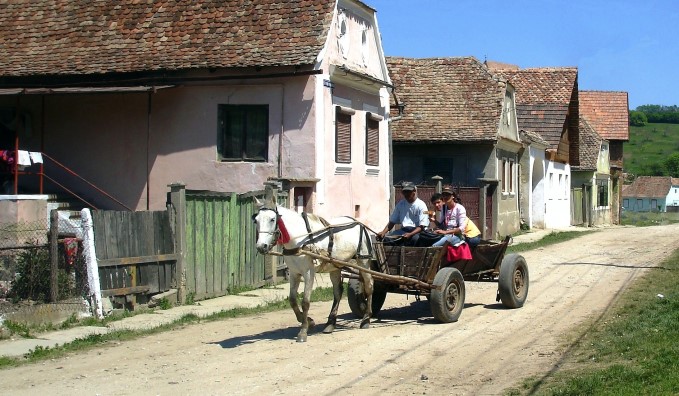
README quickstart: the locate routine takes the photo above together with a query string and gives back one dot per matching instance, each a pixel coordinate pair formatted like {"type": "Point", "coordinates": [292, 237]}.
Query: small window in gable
{"type": "Point", "coordinates": [372, 140]}
{"type": "Point", "coordinates": [508, 112]}
{"type": "Point", "coordinates": [343, 35]}
{"type": "Point", "coordinates": [364, 47]}
{"type": "Point", "coordinates": [342, 135]}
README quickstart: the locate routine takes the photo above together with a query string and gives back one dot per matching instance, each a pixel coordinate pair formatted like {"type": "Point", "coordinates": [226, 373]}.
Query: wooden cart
{"type": "Point", "coordinates": [426, 272]}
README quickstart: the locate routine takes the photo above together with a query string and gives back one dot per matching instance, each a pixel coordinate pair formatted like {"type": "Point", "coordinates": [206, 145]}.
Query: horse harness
{"type": "Point", "coordinates": [329, 232]}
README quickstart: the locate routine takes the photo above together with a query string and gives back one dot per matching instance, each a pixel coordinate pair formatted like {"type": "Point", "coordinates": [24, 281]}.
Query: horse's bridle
{"type": "Point", "coordinates": [276, 233]}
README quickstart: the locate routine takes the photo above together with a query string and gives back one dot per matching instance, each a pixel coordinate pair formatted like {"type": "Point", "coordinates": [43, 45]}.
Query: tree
{"type": "Point", "coordinates": [637, 118]}
{"type": "Point", "coordinates": [671, 164]}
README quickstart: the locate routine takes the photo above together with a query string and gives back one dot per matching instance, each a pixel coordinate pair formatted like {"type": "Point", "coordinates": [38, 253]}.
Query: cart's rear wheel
{"type": "Point", "coordinates": [358, 301]}
{"type": "Point", "coordinates": [513, 281]}
{"type": "Point", "coordinates": [448, 301]}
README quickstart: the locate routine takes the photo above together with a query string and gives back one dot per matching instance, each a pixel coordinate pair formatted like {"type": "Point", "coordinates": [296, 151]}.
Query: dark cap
{"type": "Point", "coordinates": [447, 190]}
{"type": "Point", "coordinates": [408, 186]}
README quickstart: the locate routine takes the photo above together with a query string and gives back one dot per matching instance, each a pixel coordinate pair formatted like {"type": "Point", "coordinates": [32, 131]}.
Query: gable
{"type": "Point", "coordinates": [543, 98]}
{"type": "Point", "coordinates": [590, 146]}
{"type": "Point", "coordinates": [353, 53]}
{"type": "Point", "coordinates": [82, 37]}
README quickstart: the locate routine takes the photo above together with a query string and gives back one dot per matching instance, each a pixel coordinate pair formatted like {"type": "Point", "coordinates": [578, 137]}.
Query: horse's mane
{"type": "Point", "coordinates": [318, 218]}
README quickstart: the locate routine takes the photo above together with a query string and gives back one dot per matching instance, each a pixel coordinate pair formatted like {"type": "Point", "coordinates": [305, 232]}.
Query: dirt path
{"type": "Point", "coordinates": [404, 352]}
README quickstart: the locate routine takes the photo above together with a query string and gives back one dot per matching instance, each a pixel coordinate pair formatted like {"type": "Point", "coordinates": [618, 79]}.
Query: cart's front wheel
{"type": "Point", "coordinates": [447, 300]}
{"type": "Point", "coordinates": [513, 281]}
{"type": "Point", "coordinates": [358, 301]}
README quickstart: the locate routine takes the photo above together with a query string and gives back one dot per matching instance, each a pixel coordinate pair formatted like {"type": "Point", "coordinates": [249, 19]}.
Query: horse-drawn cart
{"type": "Point", "coordinates": [342, 247]}
{"type": "Point", "coordinates": [425, 271]}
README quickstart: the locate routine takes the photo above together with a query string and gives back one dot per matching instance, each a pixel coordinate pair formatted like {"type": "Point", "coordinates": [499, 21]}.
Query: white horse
{"type": "Point", "coordinates": [342, 238]}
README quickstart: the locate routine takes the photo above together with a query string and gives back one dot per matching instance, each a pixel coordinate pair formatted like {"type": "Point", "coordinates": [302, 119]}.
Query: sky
{"type": "Point", "coordinates": [617, 45]}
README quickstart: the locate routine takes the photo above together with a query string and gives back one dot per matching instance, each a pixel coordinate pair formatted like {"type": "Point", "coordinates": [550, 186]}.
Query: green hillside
{"type": "Point", "coordinates": [649, 146]}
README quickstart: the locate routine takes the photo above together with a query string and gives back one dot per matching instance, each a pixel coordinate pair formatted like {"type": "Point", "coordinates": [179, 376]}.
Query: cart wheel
{"type": "Point", "coordinates": [357, 300]}
{"type": "Point", "coordinates": [447, 302]}
{"type": "Point", "coordinates": [513, 281]}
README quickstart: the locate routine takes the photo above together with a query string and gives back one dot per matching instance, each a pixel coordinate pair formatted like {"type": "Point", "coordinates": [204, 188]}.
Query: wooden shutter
{"type": "Point", "coordinates": [342, 136]}
{"type": "Point", "coordinates": [372, 141]}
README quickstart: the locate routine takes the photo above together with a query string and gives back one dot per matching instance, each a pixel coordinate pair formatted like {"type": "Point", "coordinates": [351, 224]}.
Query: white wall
{"type": "Point", "coordinates": [557, 195]}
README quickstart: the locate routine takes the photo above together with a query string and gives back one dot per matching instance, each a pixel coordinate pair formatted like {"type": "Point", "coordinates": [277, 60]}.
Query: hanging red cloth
{"type": "Point", "coordinates": [284, 236]}
{"type": "Point", "coordinates": [459, 252]}
{"type": "Point", "coordinates": [71, 248]}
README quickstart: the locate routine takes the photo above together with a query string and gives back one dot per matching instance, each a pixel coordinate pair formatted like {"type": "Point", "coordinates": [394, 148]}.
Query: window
{"type": "Point", "coordinates": [365, 54]}
{"type": "Point", "coordinates": [243, 132]}
{"type": "Point", "coordinates": [343, 35]}
{"type": "Point", "coordinates": [342, 136]}
{"type": "Point", "coordinates": [372, 141]}
{"type": "Point", "coordinates": [602, 192]}
{"type": "Point", "coordinates": [508, 177]}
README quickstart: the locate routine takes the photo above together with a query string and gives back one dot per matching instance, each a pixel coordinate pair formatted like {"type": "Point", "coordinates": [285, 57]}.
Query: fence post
{"type": "Point", "coordinates": [92, 266]}
{"type": "Point", "coordinates": [178, 214]}
{"type": "Point", "coordinates": [54, 255]}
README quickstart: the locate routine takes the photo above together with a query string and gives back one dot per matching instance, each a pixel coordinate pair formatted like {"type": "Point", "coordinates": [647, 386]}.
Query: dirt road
{"type": "Point", "coordinates": [404, 352]}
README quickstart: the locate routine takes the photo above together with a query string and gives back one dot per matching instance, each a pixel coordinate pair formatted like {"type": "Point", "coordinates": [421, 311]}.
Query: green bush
{"type": "Point", "coordinates": [33, 280]}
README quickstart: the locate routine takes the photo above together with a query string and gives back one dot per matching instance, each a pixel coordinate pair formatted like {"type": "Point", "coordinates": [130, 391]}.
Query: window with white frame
{"type": "Point", "coordinates": [508, 172]}
{"type": "Point", "coordinates": [551, 185]}
{"type": "Point", "coordinates": [602, 192]}
{"type": "Point", "coordinates": [566, 187]}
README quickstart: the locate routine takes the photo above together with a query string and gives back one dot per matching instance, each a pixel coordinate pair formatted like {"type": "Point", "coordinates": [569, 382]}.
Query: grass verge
{"type": "Point", "coordinates": [94, 340]}
{"type": "Point", "coordinates": [549, 239]}
{"type": "Point", "coordinates": [632, 350]}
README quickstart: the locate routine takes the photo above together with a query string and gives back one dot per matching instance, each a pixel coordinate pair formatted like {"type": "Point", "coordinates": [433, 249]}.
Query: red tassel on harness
{"type": "Point", "coordinates": [284, 236]}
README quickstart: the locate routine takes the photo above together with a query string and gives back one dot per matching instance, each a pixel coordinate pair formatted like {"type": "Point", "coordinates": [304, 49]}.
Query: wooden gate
{"type": "Point", "coordinates": [576, 206]}
{"type": "Point", "coordinates": [135, 253]}
{"type": "Point", "coordinates": [220, 244]}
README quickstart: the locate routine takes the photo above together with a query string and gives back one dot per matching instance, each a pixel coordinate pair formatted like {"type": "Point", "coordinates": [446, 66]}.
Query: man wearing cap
{"type": "Point", "coordinates": [411, 213]}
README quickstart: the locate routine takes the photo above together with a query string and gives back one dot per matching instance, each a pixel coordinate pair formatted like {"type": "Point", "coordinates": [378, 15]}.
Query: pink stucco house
{"type": "Point", "coordinates": [219, 95]}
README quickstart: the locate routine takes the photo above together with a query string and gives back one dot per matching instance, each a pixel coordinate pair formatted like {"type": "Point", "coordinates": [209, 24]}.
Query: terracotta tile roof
{"type": "Point", "coordinates": [608, 112]}
{"type": "Point", "coordinates": [675, 181]}
{"type": "Point", "coordinates": [543, 96]}
{"type": "Point", "coordinates": [546, 119]}
{"type": "Point", "coordinates": [89, 37]}
{"type": "Point", "coordinates": [648, 187]}
{"type": "Point", "coordinates": [446, 99]}
{"type": "Point", "coordinates": [590, 146]}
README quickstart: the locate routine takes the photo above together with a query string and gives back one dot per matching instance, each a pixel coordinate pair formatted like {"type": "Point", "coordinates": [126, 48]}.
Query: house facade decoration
{"type": "Point", "coordinates": [222, 96]}
{"type": "Point", "coordinates": [650, 194]}
{"type": "Point", "coordinates": [546, 105]}
{"type": "Point", "coordinates": [459, 123]}
{"type": "Point", "coordinates": [608, 113]}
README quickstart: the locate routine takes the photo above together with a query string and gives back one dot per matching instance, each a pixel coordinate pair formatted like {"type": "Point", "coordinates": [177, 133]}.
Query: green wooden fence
{"type": "Point", "coordinates": [220, 254]}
